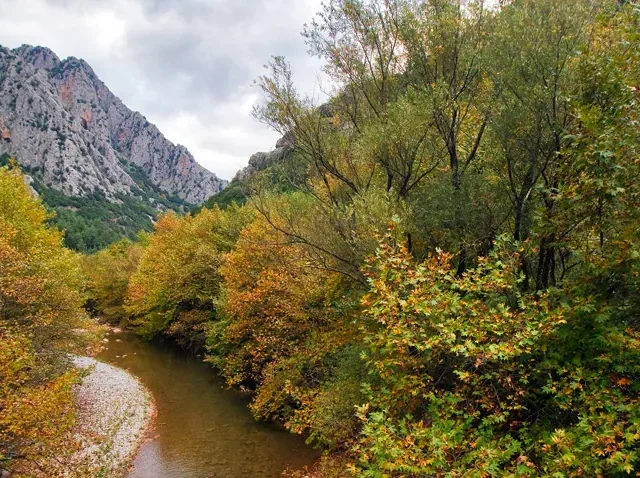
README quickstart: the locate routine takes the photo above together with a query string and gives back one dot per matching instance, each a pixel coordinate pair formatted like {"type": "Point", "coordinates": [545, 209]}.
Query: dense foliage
{"type": "Point", "coordinates": [476, 377]}
{"type": "Point", "coordinates": [41, 320]}
{"type": "Point", "coordinates": [93, 222]}
{"type": "Point", "coordinates": [175, 285]}
{"type": "Point", "coordinates": [108, 273]}
{"type": "Point", "coordinates": [444, 279]}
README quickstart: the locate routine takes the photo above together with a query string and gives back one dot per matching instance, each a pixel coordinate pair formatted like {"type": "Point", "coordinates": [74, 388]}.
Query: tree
{"type": "Point", "coordinates": [285, 332]}
{"type": "Point", "coordinates": [177, 280]}
{"type": "Point", "coordinates": [272, 300]}
{"type": "Point", "coordinates": [41, 321]}
{"type": "Point", "coordinates": [108, 274]}
{"type": "Point", "coordinates": [536, 78]}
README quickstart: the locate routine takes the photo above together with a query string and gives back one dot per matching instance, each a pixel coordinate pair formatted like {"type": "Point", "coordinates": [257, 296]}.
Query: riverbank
{"type": "Point", "coordinates": [202, 428]}
{"type": "Point", "coordinates": [114, 414]}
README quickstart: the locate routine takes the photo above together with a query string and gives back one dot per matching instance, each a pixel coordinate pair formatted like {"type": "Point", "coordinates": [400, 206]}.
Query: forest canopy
{"type": "Point", "coordinates": [442, 278]}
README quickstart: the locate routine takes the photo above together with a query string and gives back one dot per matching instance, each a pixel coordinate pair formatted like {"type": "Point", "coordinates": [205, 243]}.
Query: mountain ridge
{"type": "Point", "coordinates": [63, 123]}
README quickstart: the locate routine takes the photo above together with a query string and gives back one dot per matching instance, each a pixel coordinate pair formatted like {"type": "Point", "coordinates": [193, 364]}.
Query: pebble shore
{"type": "Point", "coordinates": [114, 414]}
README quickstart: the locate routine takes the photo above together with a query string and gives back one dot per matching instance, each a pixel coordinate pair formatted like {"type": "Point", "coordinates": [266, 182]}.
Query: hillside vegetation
{"type": "Point", "coordinates": [93, 222]}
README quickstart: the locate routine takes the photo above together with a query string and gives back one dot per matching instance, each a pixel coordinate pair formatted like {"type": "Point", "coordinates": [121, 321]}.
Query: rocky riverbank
{"type": "Point", "coordinates": [115, 412]}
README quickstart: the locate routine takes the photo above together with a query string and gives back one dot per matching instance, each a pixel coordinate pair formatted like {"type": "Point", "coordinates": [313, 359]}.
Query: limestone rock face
{"type": "Point", "coordinates": [259, 161]}
{"type": "Point", "coordinates": [60, 120]}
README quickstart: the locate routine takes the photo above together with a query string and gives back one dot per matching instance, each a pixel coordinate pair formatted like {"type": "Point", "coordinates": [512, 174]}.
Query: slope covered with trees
{"type": "Point", "coordinates": [93, 222]}
{"type": "Point", "coordinates": [443, 279]}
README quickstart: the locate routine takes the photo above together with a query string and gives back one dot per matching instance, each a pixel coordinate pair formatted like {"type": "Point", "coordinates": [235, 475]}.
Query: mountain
{"type": "Point", "coordinates": [81, 144]}
{"type": "Point", "coordinates": [58, 118]}
{"type": "Point", "coordinates": [238, 190]}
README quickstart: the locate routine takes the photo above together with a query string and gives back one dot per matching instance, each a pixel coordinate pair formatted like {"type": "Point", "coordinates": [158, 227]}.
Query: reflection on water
{"type": "Point", "coordinates": [202, 429]}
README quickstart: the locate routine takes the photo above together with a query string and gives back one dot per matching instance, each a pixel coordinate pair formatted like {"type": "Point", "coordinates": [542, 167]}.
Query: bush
{"type": "Point", "coordinates": [476, 376]}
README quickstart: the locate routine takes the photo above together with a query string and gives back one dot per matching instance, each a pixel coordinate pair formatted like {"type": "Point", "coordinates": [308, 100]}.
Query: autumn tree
{"type": "Point", "coordinates": [284, 332]}
{"type": "Point", "coordinates": [271, 301]}
{"type": "Point", "coordinates": [41, 321]}
{"type": "Point", "coordinates": [174, 288]}
{"type": "Point", "coordinates": [108, 274]}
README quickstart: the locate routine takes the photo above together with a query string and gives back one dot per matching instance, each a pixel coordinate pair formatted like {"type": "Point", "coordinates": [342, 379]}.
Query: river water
{"type": "Point", "coordinates": [202, 428]}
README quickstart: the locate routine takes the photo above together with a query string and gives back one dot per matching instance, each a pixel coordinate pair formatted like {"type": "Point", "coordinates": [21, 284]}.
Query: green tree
{"type": "Point", "coordinates": [108, 274]}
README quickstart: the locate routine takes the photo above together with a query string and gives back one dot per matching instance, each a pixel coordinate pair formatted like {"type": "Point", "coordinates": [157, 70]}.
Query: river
{"type": "Point", "coordinates": [202, 428]}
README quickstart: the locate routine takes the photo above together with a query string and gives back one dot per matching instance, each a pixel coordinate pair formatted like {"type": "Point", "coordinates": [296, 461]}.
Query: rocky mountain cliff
{"type": "Point", "coordinates": [261, 160]}
{"type": "Point", "coordinates": [71, 133]}
{"type": "Point", "coordinates": [238, 190]}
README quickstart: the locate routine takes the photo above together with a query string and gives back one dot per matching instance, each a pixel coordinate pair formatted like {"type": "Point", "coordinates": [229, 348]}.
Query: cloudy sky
{"type": "Point", "coordinates": [187, 65]}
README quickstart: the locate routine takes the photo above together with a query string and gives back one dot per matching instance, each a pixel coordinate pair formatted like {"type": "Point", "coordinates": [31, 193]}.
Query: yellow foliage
{"type": "Point", "coordinates": [178, 270]}
{"type": "Point", "coordinates": [108, 273]}
{"type": "Point", "coordinates": [41, 319]}
{"type": "Point", "coordinates": [270, 290]}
